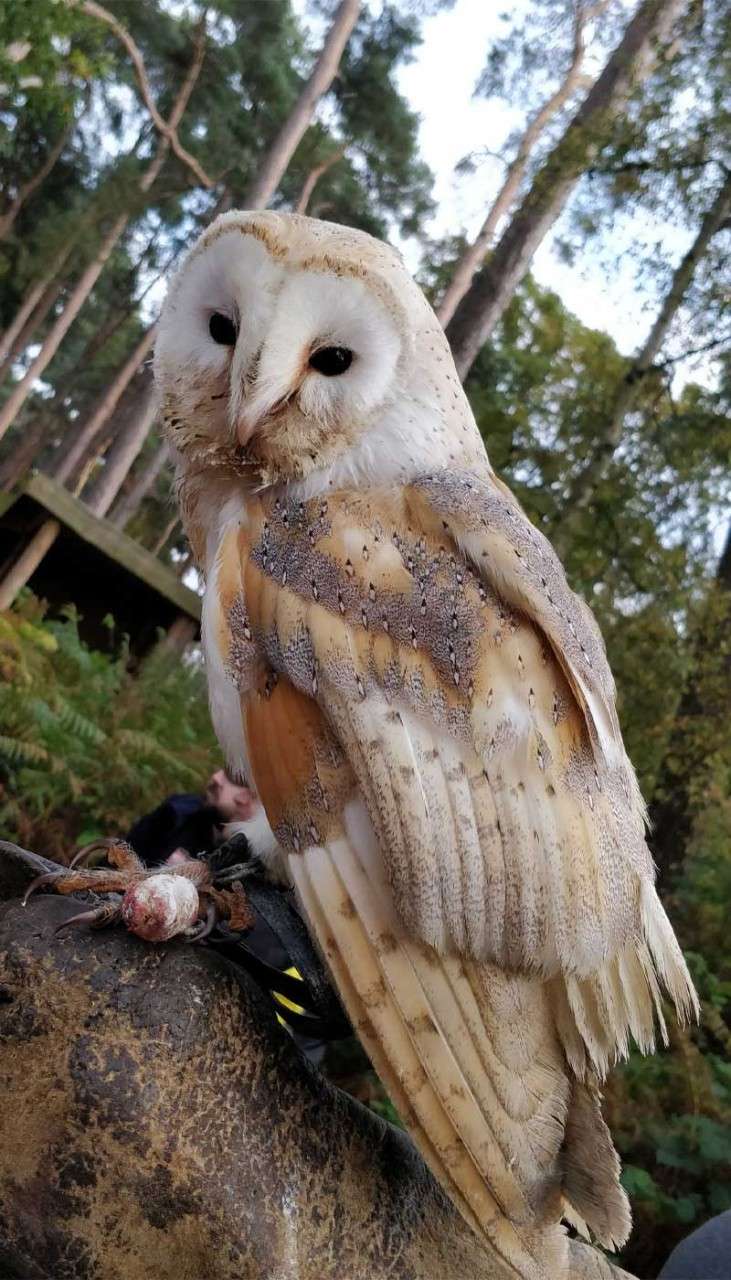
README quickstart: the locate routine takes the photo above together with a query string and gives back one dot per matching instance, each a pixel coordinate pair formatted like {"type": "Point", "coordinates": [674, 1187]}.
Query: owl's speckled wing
{"type": "Point", "coordinates": [431, 725]}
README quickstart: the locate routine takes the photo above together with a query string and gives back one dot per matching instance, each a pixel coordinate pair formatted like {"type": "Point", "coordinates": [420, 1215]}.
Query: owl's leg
{"type": "Point", "coordinates": [126, 869]}
{"type": "Point", "coordinates": [232, 905]}
{"type": "Point", "coordinates": [99, 881]}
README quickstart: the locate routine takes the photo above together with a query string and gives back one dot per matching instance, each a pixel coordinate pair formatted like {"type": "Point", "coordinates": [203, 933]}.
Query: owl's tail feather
{"type": "Point", "coordinates": [591, 1170]}
{"type": "Point", "coordinates": [469, 1055]}
{"type": "Point", "coordinates": [667, 957]}
{"type": "Point", "coordinates": [597, 1015]}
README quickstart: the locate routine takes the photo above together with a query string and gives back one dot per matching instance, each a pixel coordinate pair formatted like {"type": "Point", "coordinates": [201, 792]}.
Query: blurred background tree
{"type": "Point", "coordinates": [620, 127]}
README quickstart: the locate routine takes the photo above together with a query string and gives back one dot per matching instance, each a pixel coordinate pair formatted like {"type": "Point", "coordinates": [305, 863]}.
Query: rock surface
{"type": "Point", "coordinates": [158, 1123]}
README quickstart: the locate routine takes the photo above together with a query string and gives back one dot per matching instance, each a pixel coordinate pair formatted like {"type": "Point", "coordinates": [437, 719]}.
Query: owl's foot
{"type": "Point", "coordinates": [117, 852]}
{"type": "Point", "coordinates": [157, 904]}
{"type": "Point", "coordinates": [125, 871]}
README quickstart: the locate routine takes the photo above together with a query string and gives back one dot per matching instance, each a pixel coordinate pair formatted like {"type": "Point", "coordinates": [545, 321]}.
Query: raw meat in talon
{"type": "Point", "coordinates": [161, 906]}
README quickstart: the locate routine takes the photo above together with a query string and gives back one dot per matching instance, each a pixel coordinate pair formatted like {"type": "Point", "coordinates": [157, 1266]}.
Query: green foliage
{"type": "Point", "coordinates": [46, 55]}
{"type": "Point", "coordinates": [87, 745]}
{"type": "Point", "coordinates": [374, 114]}
{"type": "Point", "coordinates": [671, 1117]}
{"type": "Point", "coordinates": [347, 1066]}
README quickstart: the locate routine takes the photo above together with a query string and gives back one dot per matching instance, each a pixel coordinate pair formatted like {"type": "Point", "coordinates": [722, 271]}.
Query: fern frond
{"type": "Point", "coordinates": [147, 746]}
{"type": "Point", "coordinates": [78, 725]}
{"type": "Point", "coordinates": [18, 752]}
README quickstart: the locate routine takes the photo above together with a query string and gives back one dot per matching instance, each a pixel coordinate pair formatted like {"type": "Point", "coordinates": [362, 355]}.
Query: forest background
{"type": "Point", "coordinates": [125, 128]}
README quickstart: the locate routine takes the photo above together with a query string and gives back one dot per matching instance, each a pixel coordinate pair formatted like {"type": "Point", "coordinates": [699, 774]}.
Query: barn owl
{"type": "Point", "coordinates": [426, 710]}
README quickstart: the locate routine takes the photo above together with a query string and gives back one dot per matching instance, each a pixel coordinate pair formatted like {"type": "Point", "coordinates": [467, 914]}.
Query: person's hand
{"type": "Point", "coordinates": [177, 856]}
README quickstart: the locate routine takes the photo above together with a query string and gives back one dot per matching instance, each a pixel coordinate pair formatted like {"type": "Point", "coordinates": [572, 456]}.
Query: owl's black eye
{"type": "Point", "coordinates": [222, 330]}
{"type": "Point", "coordinates": [331, 360]}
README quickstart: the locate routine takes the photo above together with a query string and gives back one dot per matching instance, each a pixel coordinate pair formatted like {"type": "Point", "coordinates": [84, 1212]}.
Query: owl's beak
{"type": "Point", "coordinates": [258, 410]}
{"type": "Point", "coordinates": [246, 426]}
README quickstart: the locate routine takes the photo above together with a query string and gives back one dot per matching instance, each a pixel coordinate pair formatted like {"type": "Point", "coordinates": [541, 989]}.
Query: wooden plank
{"type": "Point", "coordinates": [57, 500]}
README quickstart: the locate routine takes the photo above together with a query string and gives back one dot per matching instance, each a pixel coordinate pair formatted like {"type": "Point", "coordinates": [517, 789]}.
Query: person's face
{"type": "Point", "coordinates": [234, 803]}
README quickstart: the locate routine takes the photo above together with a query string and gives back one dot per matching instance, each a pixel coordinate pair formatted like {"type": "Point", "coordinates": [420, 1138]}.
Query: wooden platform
{"type": "Point", "coordinates": [94, 567]}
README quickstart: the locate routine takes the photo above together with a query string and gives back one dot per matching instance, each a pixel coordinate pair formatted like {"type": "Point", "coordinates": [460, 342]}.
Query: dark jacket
{"type": "Point", "coordinates": [180, 822]}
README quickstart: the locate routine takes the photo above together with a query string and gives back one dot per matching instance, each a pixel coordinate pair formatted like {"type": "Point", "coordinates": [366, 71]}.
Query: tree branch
{"type": "Point", "coordinates": [685, 355]}
{"type": "Point", "coordinates": [313, 178]}
{"type": "Point", "coordinates": [650, 166]}
{"type": "Point", "coordinates": [474, 255]}
{"type": "Point", "coordinates": [493, 287]}
{"type": "Point", "coordinates": [168, 131]}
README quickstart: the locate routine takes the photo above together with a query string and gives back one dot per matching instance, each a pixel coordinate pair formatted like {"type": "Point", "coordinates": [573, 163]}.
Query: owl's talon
{"type": "Point", "coordinates": [83, 853]}
{"type": "Point", "coordinates": [118, 853]}
{"type": "Point", "coordinates": [97, 917]}
{"type": "Point", "coordinates": [205, 927]}
{"type": "Point", "coordinates": [49, 877]}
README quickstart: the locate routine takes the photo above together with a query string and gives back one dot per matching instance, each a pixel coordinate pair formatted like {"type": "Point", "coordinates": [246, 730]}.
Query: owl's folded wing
{"type": "Point", "coordinates": [569, 812]}
{"type": "Point", "coordinates": [470, 691]}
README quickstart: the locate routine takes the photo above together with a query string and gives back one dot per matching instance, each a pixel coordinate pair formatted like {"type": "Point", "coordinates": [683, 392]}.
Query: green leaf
{"type": "Point", "coordinates": [686, 1208]}
{"type": "Point", "coordinates": [639, 1183]}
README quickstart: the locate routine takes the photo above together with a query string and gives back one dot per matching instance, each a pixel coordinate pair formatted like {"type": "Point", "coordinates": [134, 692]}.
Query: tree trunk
{"type": "Point", "coordinates": [28, 561]}
{"type": "Point", "coordinates": [54, 338]}
{"type": "Point", "coordinates": [25, 451]}
{"type": "Point", "coordinates": [38, 301]}
{"type": "Point", "coordinates": [21, 457]}
{"type": "Point", "coordinates": [27, 189]}
{"type": "Point", "coordinates": [128, 504]}
{"type": "Point", "coordinates": [132, 404]}
{"type": "Point", "coordinates": [89, 277]}
{"type": "Point", "coordinates": [493, 287]}
{"type": "Point", "coordinates": [166, 534]}
{"type": "Point", "coordinates": [700, 729]}
{"type": "Point", "coordinates": [475, 253]}
{"type": "Point", "coordinates": [21, 338]}
{"type": "Point", "coordinates": [262, 188]}
{"type": "Point", "coordinates": [45, 425]}
{"type": "Point", "coordinates": [72, 457]}
{"type": "Point", "coordinates": [120, 458]}
{"type": "Point", "coordinates": [584, 486]}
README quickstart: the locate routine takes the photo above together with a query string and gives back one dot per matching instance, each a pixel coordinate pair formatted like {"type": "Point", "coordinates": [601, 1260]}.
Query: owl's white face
{"type": "Point", "coordinates": [284, 364]}
{"type": "Point", "coordinates": [296, 352]}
